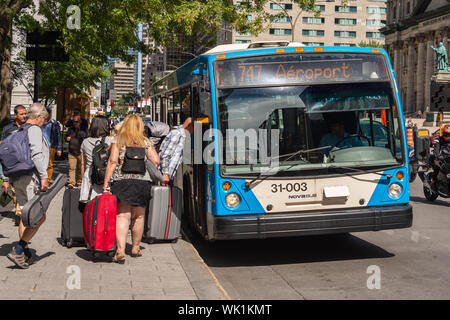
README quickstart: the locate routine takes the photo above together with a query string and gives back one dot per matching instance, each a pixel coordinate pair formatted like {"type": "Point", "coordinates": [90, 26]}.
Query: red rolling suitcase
{"type": "Point", "coordinates": [99, 224]}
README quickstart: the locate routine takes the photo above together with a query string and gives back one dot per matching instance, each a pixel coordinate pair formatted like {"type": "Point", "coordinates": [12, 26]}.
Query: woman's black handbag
{"type": "Point", "coordinates": [134, 160]}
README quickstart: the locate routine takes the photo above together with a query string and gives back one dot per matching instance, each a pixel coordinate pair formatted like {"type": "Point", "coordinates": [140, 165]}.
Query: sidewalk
{"type": "Point", "coordinates": [165, 271]}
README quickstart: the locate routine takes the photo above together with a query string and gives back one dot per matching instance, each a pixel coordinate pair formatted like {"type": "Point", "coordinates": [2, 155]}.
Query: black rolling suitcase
{"type": "Point", "coordinates": [163, 221]}
{"type": "Point", "coordinates": [72, 219]}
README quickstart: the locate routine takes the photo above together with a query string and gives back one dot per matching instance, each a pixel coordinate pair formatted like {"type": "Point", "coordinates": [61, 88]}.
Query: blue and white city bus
{"type": "Point", "coordinates": [338, 161]}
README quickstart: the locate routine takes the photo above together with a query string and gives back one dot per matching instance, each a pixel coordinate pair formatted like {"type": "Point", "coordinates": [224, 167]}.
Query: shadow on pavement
{"type": "Point", "coordinates": [436, 202]}
{"type": "Point", "coordinates": [286, 250]}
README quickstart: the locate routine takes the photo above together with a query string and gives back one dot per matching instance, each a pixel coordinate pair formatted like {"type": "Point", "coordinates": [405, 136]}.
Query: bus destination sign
{"type": "Point", "coordinates": [244, 72]}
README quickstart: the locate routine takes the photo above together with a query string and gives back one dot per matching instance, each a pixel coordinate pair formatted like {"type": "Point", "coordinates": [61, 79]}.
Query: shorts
{"type": "Point", "coordinates": [26, 188]}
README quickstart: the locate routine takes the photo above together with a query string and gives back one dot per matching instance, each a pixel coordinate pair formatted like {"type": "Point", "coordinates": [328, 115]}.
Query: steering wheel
{"type": "Point", "coordinates": [350, 136]}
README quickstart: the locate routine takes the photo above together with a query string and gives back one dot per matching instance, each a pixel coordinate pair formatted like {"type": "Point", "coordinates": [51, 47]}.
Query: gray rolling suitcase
{"type": "Point", "coordinates": [164, 214]}
{"type": "Point", "coordinates": [34, 210]}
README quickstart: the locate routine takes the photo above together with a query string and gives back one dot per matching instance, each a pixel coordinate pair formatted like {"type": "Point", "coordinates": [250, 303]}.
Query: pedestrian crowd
{"type": "Point", "coordinates": [104, 156]}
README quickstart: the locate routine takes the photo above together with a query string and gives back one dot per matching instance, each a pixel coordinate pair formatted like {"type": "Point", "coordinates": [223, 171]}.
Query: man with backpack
{"type": "Point", "coordinates": [24, 157]}
{"type": "Point", "coordinates": [20, 117]}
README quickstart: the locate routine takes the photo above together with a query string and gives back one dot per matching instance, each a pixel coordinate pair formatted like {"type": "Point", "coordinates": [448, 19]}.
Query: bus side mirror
{"type": "Point", "coordinates": [422, 148]}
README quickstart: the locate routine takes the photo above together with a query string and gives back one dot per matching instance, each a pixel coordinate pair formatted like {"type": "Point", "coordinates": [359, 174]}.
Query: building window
{"type": "Point", "coordinates": [281, 6]}
{"type": "Point", "coordinates": [374, 35]}
{"type": "Point", "coordinates": [345, 45]}
{"type": "Point", "coordinates": [313, 33]}
{"type": "Point", "coordinates": [284, 19]}
{"type": "Point", "coordinates": [242, 41]}
{"type": "Point", "coordinates": [345, 34]}
{"type": "Point", "coordinates": [345, 9]}
{"type": "Point", "coordinates": [280, 32]}
{"type": "Point", "coordinates": [408, 7]}
{"type": "Point", "coordinates": [313, 44]}
{"type": "Point", "coordinates": [313, 20]}
{"type": "Point", "coordinates": [375, 23]}
{"type": "Point", "coordinates": [344, 21]}
{"type": "Point", "coordinates": [376, 10]}
{"type": "Point", "coordinates": [245, 34]}
{"type": "Point", "coordinates": [320, 7]}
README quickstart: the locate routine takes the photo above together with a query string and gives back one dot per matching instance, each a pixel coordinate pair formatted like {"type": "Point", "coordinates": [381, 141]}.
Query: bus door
{"type": "Point", "coordinates": [199, 167]}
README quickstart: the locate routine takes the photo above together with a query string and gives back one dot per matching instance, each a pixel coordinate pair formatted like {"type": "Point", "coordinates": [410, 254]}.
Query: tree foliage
{"type": "Point", "coordinates": [371, 44]}
{"type": "Point", "coordinates": [108, 29]}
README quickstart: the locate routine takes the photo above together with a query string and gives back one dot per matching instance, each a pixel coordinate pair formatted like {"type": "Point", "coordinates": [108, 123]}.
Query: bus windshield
{"type": "Point", "coordinates": [353, 125]}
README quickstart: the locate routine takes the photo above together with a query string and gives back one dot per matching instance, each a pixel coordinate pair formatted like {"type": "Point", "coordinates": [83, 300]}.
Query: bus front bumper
{"type": "Point", "coordinates": [309, 223]}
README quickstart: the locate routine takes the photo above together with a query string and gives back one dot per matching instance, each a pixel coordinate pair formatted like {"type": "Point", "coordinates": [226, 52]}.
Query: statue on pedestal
{"type": "Point", "coordinates": [442, 58]}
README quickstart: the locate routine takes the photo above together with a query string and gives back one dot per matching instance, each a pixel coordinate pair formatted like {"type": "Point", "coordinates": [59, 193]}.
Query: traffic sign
{"type": "Point", "coordinates": [46, 54]}
{"type": "Point", "coordinates": [48, 38]}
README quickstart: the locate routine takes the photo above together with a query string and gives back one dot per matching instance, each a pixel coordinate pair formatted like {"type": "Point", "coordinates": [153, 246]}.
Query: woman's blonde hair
{"type": "Point", "coordinates": [131, 132]}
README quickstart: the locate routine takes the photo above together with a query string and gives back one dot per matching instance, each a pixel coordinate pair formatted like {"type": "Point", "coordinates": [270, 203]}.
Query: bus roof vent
{"type": "Point", "coordinates": [254, 45]}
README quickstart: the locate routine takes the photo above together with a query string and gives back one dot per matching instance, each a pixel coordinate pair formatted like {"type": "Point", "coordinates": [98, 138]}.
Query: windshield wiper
{"type": "Point", "coordinates": [361, 171]}
{"type": "Point", "coordinates": [248, 185]}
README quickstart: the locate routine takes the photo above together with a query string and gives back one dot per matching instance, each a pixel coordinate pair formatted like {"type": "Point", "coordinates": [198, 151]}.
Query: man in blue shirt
{"type": "Point", "coordinates": [52, 133]}
{"type": "Point", "coordinates": [337, 133]}
{"type": "Point", "coordinates": [20, 115]}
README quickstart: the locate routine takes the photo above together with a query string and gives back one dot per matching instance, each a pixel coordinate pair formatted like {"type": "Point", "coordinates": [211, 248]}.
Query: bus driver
{"type": "Point", "coordinates": [337, 133]}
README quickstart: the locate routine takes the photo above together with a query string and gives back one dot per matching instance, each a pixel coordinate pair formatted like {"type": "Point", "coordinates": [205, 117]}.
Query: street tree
{"type": "Point", "coordinates": [371, 44]}
{"type": "Point", "coordinates": [9, 11]}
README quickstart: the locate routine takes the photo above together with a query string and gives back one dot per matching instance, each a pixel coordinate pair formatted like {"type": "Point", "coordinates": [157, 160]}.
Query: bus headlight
{"type": "Point", "coordinates": [232, 200]}
{"type": "Point", "coordinates": [395, 190]}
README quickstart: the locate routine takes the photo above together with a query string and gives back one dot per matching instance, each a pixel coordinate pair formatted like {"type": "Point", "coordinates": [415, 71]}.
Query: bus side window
{"type": "Point", "coordinates": [176, 108]}
{"type": "Point", "coordinates": [185, 104]}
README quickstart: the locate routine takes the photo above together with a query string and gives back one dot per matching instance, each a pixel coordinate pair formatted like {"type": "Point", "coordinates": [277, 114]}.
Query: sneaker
{"type": "Point", "coordinates": [31, 260]}
{"type": "Point", "coordinates": [18, 259]}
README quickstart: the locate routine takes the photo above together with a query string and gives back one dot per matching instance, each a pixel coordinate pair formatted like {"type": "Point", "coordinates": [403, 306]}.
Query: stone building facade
{"type": "Point", "coordinates": [413, 27]}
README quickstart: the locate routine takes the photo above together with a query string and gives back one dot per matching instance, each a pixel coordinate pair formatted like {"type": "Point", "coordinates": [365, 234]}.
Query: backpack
{"type": "Point", "coordinates": [156, 131]}
{"type": "Point", "coordinates": [134, 160]}
{"type": "Point", "coordinates": [100, 156]}
{"type": "Point", "coordinates": [15, 153]}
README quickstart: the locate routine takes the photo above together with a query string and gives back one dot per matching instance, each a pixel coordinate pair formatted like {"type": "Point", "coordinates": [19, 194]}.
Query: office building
{"type": "Point", "coordinates": [337, 25]}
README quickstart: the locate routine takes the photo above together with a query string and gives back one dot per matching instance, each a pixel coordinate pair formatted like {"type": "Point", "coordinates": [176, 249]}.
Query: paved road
{"type": "Point", "coordinates": [413, 263]}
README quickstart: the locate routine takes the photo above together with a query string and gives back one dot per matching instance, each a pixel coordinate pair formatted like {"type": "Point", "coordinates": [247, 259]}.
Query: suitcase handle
{"type": "Point", "coordinates": [168, 214]}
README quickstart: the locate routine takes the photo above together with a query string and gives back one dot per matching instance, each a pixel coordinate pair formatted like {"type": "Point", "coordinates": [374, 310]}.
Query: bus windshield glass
{"type": "Point", "coordinates": [351, 125]}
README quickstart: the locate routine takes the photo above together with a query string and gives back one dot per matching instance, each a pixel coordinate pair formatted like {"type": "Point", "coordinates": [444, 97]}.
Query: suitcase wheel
{"type": "Point", "coordinates": [174, 240]}
{"type": "Point", "coordinates": [69, 243]}
{"type": "Point", "coordinates": [111, 254]}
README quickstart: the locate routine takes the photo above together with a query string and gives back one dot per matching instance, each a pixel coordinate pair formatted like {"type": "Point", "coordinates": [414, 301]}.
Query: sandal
{"type": "Point", "coordinates": [119, 259]}
{"type": "Point", "coordinates": [136, 254]}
